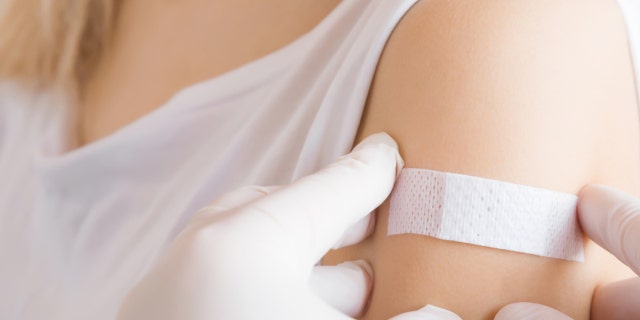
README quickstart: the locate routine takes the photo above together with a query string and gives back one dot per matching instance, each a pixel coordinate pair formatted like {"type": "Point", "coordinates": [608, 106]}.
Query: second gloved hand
{"type": "Point", "coordinates": [612, 219]}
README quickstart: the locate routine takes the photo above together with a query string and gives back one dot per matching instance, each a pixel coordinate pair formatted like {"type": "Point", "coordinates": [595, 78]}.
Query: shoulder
{"type": "Point", "coordinates": [528, 22]}
{"type": "Point", "coordinates": [513, 90]}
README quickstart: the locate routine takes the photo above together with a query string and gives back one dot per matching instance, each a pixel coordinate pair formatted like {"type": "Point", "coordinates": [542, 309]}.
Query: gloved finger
{"type": "Point", "coordinates": [529, 311]}
{"type": "Point", "coordinates": [618, 300]}
{"type": "Point", "coordinates": [235, 199]}
{"type": "Point", "coordinates": [357, 232]}
{"type": "Point", "coordinates": [612, 219]}
{"type": "Point", "coordinates": [345, 287]}
{"type": "Point", "coordinates": [313, 212]}
{"type": "Point", "coordinates": [429, 312]}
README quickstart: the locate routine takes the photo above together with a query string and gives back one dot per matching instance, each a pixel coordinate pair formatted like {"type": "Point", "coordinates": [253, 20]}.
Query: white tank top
{"type": "Point", "coordinates": [78, 229]}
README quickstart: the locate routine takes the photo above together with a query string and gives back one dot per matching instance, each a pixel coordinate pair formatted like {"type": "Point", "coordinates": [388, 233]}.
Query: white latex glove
{"type": "Point", "coordinates": [612, 219]}
{"type": "Point", "coordinates": [252, 253]}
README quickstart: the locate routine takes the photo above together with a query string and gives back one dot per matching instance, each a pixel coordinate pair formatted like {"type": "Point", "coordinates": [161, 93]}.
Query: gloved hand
{"type": "Point", "coordinates": [612, 219]}
{"type": "Point", "coordinates": [252, 253]}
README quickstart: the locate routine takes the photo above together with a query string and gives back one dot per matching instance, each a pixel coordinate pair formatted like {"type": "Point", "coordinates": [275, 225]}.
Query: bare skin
{"type": "Point", "coordinates": [161, 47]}
{"type": "Point", "coordinates": [530, 92]}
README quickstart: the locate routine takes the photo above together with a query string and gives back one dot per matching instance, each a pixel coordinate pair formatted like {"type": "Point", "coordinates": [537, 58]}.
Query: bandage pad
{"type": "Point", "coordinates": [486, 212]}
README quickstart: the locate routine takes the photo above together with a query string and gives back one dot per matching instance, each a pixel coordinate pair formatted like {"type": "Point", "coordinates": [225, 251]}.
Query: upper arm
{"type": "Point", "coordinates": [531, 92]}
{"type": "Point", "coordinates": [526, 91]}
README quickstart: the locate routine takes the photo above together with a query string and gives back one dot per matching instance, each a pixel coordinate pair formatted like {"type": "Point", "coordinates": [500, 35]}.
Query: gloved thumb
{"type": "Point", "coordinates": [429, 312]}
{"type": "Point", "coordinates": [612, 219]}
{"type": "Point", "coordinates": [529, 311]}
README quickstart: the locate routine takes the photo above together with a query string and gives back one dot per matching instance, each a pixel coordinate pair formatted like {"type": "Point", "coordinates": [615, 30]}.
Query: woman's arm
{"type": "Point", "coordinates": [532, 92]}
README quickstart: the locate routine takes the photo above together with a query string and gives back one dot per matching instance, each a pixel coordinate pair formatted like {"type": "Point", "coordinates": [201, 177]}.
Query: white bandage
{"type": "Point", "coordinates": [486, 212]}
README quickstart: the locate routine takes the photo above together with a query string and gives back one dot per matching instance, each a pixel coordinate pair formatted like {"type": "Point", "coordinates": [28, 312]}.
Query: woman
{"type": "Point", "coordinates": [121, 119]}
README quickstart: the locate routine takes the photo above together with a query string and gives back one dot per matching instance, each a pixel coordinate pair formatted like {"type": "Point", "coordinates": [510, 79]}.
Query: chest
{"type": "Point", "coordinates": [159, 48]}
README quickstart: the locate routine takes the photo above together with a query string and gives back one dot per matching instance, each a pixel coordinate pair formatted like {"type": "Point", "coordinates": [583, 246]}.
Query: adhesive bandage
{"type": "Point", "coordinates": [486, 212]}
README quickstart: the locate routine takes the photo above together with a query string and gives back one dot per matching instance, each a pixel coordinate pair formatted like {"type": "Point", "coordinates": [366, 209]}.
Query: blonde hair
{"type": "Point", "coordinates": [53, 43]}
